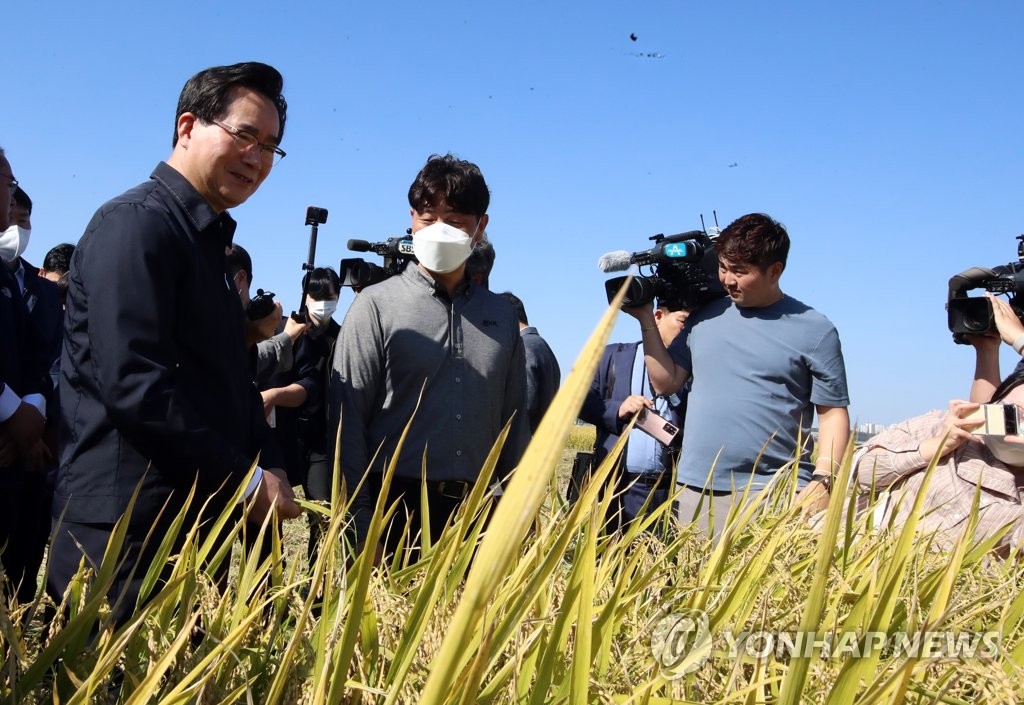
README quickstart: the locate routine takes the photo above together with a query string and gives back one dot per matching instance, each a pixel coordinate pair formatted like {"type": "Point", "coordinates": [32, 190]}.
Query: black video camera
{"type": "Point", "coordinates": [972, 315]}
{"type": "Point", "coordinates": [683, 272]}
{"type": "Point", "coordinates": [358, 273]}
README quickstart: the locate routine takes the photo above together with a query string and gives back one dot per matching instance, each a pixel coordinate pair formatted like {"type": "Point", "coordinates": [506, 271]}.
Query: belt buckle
{"type": "Point", "coordinates": [452, 489]}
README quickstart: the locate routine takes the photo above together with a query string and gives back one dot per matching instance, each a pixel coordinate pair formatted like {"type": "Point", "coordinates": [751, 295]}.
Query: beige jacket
{"type": "Point", "coordinates": [893, 461]}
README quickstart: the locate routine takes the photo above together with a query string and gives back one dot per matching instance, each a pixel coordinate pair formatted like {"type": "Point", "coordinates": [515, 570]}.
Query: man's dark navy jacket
{"type": "Point", "coordinates": [612, 385]}
{"type": "Point", "coordinates": [154, 371]}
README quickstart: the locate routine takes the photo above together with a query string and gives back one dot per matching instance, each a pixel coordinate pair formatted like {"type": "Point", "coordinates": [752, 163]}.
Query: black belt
{"type": "Point", "coordinates": [452, 489]}
{"type": "Point", "coordinates": [653, 480]}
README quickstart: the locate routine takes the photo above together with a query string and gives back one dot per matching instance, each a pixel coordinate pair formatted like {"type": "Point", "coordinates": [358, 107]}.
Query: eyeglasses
{"type": "Point", "coordinates": [14, 182]}
{"type": "Point", "coordinates": [246, 140]}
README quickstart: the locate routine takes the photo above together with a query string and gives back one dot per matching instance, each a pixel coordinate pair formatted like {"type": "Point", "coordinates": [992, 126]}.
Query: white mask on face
{"type": "Point", "coordinates": [441, 248]}
{"type": "Point", "coordinates": [322, 311]}
{"type": "Point", "coordinates": [13, 242]}
{"type": "Point", "coordinates": [1009, 453]}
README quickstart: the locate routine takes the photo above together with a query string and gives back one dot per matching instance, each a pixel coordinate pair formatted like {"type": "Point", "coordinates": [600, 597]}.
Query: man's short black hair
{"type": "Point", "coordinates": [452, 181]}
{"type": "Point", "coordinates": [207, 94]}
{"type": "Point", "coordinates": [58, 259]}
{"type": "Point", "coordinates": [756, 239]}
{"type": "Point", "coordinates": [323, 284]}
{"type": "Point", "coordinates": [22, 200]}
{"type": "Point", "coordinates": [517, 306]}
{"type": "Point", "coordinates": [240, 261]}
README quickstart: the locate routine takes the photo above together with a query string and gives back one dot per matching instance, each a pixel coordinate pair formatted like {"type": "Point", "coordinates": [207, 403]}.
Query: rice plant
{"type": "Point", "coordinates": [544, 605]}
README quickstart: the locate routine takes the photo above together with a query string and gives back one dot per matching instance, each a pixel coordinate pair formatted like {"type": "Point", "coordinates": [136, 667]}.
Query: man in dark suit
{"type": "Point", "coordinates": [24, 390]}
{"type": "Point", "coordinates": [27, 482]}
{"type": "Point", "coordinates": [620, 390]}
{"type": "Point", "coordinates": [156, 390]}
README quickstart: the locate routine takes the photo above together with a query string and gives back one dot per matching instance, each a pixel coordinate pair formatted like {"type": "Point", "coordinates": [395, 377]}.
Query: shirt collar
{"type": "Point", "coordinates": [192, 202]}
{"type": "Point", "coordinates": [416, 274]}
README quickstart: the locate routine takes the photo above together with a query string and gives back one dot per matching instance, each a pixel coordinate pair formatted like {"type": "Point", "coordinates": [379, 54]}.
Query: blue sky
{"type": "Point", "coordinates": [885, 136]}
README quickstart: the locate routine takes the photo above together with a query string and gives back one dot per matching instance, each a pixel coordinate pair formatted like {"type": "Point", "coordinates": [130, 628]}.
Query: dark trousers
{"type": "Point", "coordinates": [317, 487]}
{"type": "Point", "coordinates": [73, 540]}
{"type": "Point", "coordinates": [443, 500]}
{"type": "Point", "coordinates": [24, 528]}
{"type": "Point", "coordinates": [634, 491]}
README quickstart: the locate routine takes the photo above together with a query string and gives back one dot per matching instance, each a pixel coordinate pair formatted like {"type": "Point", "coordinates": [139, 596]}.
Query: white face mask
{"type": "Point", "coordinates": [441, 248]}
{"type": "Point", "coordinates": [322, 311]}
{"type": "Point", "coordinates": [13, 242]}
{"type": "Point", "coordinates": [1009, 453]}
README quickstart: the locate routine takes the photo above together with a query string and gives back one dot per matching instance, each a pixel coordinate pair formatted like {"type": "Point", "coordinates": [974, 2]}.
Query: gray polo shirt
{"type": "Point", "coordinates": [403, 336]}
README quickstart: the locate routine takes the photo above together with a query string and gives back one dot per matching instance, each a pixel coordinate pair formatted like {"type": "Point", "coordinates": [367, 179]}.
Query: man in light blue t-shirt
{"type": "Point", "coordinates": [761, 364]}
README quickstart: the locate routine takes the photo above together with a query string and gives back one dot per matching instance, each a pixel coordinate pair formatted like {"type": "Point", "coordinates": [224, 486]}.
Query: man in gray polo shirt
{"type": "Point", "coordinates": [430, 330]}
{"type": "Point", "coordinates": [761, 363]}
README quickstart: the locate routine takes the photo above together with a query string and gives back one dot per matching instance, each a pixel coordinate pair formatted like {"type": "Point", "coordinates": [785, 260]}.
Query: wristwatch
{"type": "Point", "coordinates": [825, 480]}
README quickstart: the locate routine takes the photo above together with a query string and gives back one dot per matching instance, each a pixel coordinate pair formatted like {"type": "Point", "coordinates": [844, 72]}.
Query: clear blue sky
{"type": "Point", "coordinates": [885, 136]}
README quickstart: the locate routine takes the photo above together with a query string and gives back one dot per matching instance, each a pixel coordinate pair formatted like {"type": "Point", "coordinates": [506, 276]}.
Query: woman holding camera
{"type": "Point", "coordinates": [966, 461]}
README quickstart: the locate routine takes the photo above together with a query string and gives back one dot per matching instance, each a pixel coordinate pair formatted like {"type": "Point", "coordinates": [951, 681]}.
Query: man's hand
{"type": "Point", "coordinates": [812, 499]}
{"type": "Point", "coordinates": [24, 427]}
{"type": "Point", "coordinates": [268, 401]}
{"type": "Point", "coordinates": [273, 494]}
{"type": "Point", "coordinates": [644, 313]}
{"type": "Point", "coordinates": [8, 451]}
{"type": "Point", "coordinates": [634, 404]}
{"type": "Point", "coordinates": [294, 329]}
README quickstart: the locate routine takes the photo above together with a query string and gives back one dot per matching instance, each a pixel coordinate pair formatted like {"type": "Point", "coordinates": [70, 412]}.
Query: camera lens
{"type": "Point", "coordinates": [977, 315]}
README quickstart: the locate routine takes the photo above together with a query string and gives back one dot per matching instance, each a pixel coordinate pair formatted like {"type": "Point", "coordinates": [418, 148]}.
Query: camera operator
{"type": "Point", "coordinates": [299, 394]}
{"type": "Point", "coordinates": [621, 390]}
{"type": "Point", "coordinates": [431, 341]}
{"type": "Point", "coordinates": [968, 462]}
{"type": "Point", "coordinates": [761, 364]}
{"type": "Point", "coordinates": [274, 351]}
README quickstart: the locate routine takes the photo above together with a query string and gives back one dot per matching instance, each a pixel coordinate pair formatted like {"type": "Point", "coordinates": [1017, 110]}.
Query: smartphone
{"type": "Point", "coordinates": [997, 420]}
{"type": "Point", "coordinates": [658, 427]}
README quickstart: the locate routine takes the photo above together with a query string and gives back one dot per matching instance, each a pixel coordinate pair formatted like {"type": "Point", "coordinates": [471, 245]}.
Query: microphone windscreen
{"type": "Point", "coordinates": [614, 261]}
{"type": "Point", "coordinates": [359, 245]}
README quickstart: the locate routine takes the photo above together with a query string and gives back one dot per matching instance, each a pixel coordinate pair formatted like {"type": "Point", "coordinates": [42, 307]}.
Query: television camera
{"type": "Point", "coordinates": [972, 315]}
{"type": "Point", "coordinates": [682, 271]}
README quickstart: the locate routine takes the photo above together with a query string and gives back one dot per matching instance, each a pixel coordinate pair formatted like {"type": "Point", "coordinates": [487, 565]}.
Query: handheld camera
{"type": "Point", "coordinates": [358, 273]}
{"type": "Point", "coordinates": [682, 271]}
{"type": "Point", "coordinates": [972, 315]}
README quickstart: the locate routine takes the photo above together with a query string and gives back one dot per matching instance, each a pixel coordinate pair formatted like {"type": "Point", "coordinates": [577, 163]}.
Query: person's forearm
{"type": "Point", "coordinates": [833, 437]}
{"type": "Point", "coordinates": [291, 396]}
{"type": "Point", "coordinates": [986, 375]}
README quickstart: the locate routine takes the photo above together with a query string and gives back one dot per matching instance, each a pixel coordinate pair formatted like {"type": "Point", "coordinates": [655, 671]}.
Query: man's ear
{"type": "Point", "coordinates": [186, 122]}
{"type": "Point", "coordinates": [481, 228]}
{"type": "Point", "coordinates": [775, 270]}
{"type": "Point", "coordinates": [241, 280]}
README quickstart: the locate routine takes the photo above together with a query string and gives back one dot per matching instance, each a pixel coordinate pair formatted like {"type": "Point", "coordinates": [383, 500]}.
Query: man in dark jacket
{"type": "Point", "coordinates": [156, 389]}
{"type": "Point", "coordinates": [621, 390]}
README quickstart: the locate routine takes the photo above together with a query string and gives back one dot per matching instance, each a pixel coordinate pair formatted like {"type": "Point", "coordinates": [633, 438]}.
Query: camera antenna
{"type": "Point", "coordinates": [314, 217]}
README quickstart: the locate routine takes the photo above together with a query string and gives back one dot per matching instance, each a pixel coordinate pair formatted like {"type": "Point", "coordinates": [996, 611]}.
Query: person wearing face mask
{"type": "Point", "coordinates": [897, 458]}
{"type": "Point", "coordinates": [274, 344]}
{"type": "Point", "coordinates": [43, 298]}
{"type": "Point", "coordinates": [26, 399]}
{"type": "Point", "coordinates": [297, 399]}
{"type": "Point", "coordinates": [433, 342]}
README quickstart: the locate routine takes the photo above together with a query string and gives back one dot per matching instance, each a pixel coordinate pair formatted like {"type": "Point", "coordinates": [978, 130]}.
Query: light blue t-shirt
{"type": "Point", "coordinates": [757, 374]}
